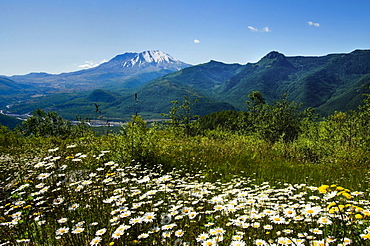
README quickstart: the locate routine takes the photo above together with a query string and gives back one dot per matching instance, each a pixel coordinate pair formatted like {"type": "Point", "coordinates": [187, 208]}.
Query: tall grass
{"type": "Point", "coordinates": [148, 186]}
{"type": "Point", "coordinates": [65, 197]}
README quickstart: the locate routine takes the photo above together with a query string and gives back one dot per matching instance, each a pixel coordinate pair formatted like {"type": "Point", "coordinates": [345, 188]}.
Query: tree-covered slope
{"type": "Point", "coordinates": [329, 83]}
{"type": "Point", "coordinates": [334, 82]}
{"type": "Point", "coordinates": [156, 97]}
{"type": "Point", "coordinates": [268, 75]}
{"type": "Point", "coordinates": [9, 122]}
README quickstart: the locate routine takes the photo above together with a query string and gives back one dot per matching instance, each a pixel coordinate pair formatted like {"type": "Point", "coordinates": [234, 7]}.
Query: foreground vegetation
{"type": "Point", "coordinates": [270, 176]}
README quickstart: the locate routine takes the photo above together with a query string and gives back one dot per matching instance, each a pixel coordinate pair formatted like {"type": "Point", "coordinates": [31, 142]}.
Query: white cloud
{"type": "Point", "coordinates": [196, 41]}
{"type": "Point", "coordinates": [253, 29]}
{"type": "Point", "coordinates": [313, 24]}
{"type": "Point", "coordinates": [88, 64]}
{"type": "Point", "coordinates": [265, 29]}
{"type": "Point", "coordinates": [91, 64]}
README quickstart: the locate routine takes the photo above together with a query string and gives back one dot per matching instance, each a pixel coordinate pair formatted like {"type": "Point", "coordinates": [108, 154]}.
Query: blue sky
{"type": "Point", "coordinates": [57, 36]}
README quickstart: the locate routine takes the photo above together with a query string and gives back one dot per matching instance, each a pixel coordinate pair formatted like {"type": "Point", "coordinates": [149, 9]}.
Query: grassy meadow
{"type": "Point", "coordinates": [161, 185]}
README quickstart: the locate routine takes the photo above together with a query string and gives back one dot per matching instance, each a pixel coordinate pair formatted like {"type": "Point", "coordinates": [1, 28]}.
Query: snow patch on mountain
{"type": "Point", "coordinates": [151, 58]}
{"type": "Point", "coordinates": [132, 63]}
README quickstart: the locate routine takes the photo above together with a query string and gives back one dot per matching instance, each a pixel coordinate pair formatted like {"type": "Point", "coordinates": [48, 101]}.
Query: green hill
{"type": "Point", "coordinates": [100, 95]}
{"type": "Point", "coordinates": [328, 83]}
{"type": "Point", "coordinates": [9, 122]}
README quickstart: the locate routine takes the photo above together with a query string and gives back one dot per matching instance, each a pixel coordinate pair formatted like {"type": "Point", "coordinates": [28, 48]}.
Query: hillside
{"type": "Point", "coordinates": [9, 122]}
{"type": "Point", "coordinates": [328, 83]}
{"type": "Point", "coordinates": [334, 82]}
{"type": "Point", "coordinates": [11, 91]}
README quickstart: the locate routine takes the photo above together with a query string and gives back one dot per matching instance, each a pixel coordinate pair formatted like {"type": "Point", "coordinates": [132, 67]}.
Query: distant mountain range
{"type": "Point", "coordinates": [125, 71]}
{"type": "Point", "coordinates": [328, 83]}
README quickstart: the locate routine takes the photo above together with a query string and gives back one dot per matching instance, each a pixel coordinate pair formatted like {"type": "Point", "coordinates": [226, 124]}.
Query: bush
{"type": "Point", "coordinates": [7, 137]}
{"type": "Point", "coordinates": [281, 120]}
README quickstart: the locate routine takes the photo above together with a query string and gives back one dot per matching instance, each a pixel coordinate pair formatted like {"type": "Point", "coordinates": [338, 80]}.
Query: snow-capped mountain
{"type": "Point", "coordinates": [156, 57]}
{"type": "Point", "coordinates": [147, 60]}
{"type": "Point", "coordinates": [137, 67]}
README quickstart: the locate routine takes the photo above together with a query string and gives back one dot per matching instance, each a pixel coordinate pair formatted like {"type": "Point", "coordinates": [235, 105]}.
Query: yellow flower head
{"type": "Point", "coordinates": [331, 204]}
{"type": "Point", "coordinates": [357, 208]}
{"type": "Point", "coordinates": [358, 216]}
{"type": "Point", "coordinates": [323, 188]}
{"type": "Point", "coordinates": [347, 195]}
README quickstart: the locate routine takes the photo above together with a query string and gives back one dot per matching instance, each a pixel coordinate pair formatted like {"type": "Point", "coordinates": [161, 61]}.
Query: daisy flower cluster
{"type": "Point", "coordinates": [87, 199]}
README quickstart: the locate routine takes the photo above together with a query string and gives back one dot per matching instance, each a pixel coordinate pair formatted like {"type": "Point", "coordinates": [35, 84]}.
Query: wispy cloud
{"type": "Point", "coordinates": [253, 29]}
{"type": "Point", "coordinates": [265, 29]}
{"type": "Point", "coordinates": [196, 41]}
{"type": "Point", "coordinates": [91, 64]}
{"type": "Point", "coordinates": [313, 24]}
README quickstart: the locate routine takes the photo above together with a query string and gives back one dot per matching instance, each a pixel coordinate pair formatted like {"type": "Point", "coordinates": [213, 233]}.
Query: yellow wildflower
{"type": "Point", "coordinates": [323, 188]}
{"type": "Point", "coordinates": [358, 216]}
{"type": "Point", "coordinates": [331, 204]}
{"type": "Point", "coordinates": [347, 195]}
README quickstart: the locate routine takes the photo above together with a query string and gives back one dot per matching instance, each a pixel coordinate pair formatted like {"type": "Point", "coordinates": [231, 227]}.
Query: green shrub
{"type": "Point", "coordinates": [50, 124]}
